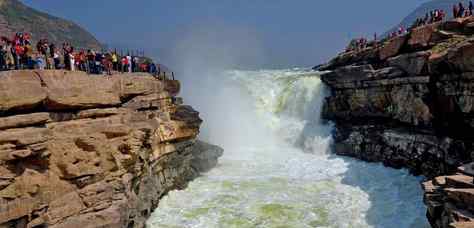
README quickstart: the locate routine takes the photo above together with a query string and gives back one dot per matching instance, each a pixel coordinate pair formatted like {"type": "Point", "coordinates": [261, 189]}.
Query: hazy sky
{"type": "Point", "coordinates": [251, 33]}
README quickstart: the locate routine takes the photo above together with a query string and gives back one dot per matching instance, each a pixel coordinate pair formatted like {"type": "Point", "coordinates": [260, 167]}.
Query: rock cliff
{"type": "Point", "coordinates": [409, 102]}
{"type": "Point", "coordinates": [82, 151]}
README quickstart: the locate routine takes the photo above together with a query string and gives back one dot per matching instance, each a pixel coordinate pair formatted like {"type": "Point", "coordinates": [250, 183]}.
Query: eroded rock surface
{"type": "Point", "coordinates": [450, 199]}
{"type": "Point", "coordinates": [82, 151]}
{"type": "Point", "coordinates": [410, 104]}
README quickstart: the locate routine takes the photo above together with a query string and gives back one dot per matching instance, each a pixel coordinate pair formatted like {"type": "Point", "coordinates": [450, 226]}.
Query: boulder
{"type": "Point", "coordinates": [19, 121]}
{"type": "Point", "coordinates": [20, 91]}
{"type": "Point", "coordinates": [76, 90]}
{"type": "Point", "coordinates": [452, 26]}
{"type": "Point", "coordinates": [412, 63]}
{"type": "Point", "coordinates": [467, 169]}
{"type": "Point", "coordinates": [348, 74]}
{"type": "Point", "coordinates": [393, 47]}
{"type": "Point", "coordinates": [206, 156]}
{"type": "Point", "coordinates": [423, 36]}
{"type": "Point", "coordinates": [460, 58]}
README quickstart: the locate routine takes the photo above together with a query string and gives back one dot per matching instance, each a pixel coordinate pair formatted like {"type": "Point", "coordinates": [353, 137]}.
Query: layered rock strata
{"type": "Point", "coordinates": [85, 151]}
{"type": "Point", "coordinates": [450, 199]}
{"type": "Point", "coordinates": [407, 102]}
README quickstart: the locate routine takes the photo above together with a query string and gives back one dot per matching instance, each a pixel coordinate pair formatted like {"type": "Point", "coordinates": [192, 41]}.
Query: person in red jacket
{"type": "Point", "coordinates": [17, 53]}
{"type": "Point", "coordinates": [124, 64]}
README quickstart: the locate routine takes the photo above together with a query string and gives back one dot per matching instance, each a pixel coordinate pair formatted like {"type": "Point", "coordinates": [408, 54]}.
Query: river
{"type": "Point", "coordinates": [278, 170]}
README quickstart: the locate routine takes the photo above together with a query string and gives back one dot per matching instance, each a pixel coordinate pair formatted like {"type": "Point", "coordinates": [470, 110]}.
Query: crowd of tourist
{"type": "Point", "coordinates": [18, 53]}
{"type": "Point", "coordinates": [399, 32]}
{"type": "Point", "coordinates": [357, 44]}
{"type": "Point", "coordinates": [431, 17]}
{"type": "Point", "coordinates": [459, 11]}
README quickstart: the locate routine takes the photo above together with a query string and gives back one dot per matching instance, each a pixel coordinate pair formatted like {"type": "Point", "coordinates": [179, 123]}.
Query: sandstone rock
{"type": "Point", "coordinates": [461, 225]}
{"type": "Point", "coordinates": [104, 153]}
{"type": "Point", "coordinates": [20, 91]}
{"type": "Point", "coordinates": [412, 64]}
{"type": "Point", "coordinates": [452, 25]}
{"type": "Point", "coordinates": [62, 90]}
{"type": "Point", "coordinates": [463, 196]}
{"type": "Point", "coordinates": [98, 113]}
{"type": "Point", "coordinates": [361, 57]}
{"type": "Point", "coordinates": [460, 58]}
{"type": "Point", "coordinates": [403, 103]}
{"type": "Point", "coordinates": [76, 90]}
{"type": "Point", "coordinates": [413, 107]}
{"type": "Point", "coordinates": [64, 206]}
{"type": "Point", "coordinates": [19, 121]}
{"type": "Point", "coordinates": [393, 47]}
{"type": "Point", "coordinates": [459, 181]}
{"type": "Point", "coordinates": [425, 36]}
{"type": "Point", "coordinates": [348, 74]}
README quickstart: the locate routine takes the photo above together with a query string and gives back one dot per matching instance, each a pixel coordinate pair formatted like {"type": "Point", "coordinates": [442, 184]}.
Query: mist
{"type": "Point", "coordinates": [201, 59]}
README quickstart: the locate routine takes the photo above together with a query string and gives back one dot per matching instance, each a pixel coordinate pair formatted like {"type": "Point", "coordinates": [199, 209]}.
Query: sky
{"type": "Point", "coordinates": [238, 33]}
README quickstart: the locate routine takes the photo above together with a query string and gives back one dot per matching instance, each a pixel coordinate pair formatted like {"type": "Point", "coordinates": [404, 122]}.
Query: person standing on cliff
{"type": "Point", "coordinates": [29, 55]}
{"type": "Point", "coordinates": [90, 62]}
{"type": "Point", "coordinates": [52, 49]}
{"type": "Point", "coordinates": [67, 59]}
{"type": "Point", "coordinates": [124, 64]}
{"type": "Point", "coordinates": [471, 7]}
{"type": "Point", "coordinates": [3, 55]}
{"type": "Point", "coordinates": [461, 10]}
{"type": "Point", "coordinates": [115, 60]}
{"type": "Point", "coordinates": [18, 52]}
{"type": "Point", "coordinates": [455, 11]}
{"type": "Point", "coordinates": [107, 62]}
{"type": "Point", "coordinates": [129, 63]}
{"type": "Point", "coordinates": [56, 59]}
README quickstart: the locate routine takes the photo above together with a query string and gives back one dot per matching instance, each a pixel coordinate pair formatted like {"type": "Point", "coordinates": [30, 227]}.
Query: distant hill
{"type": "Point", "coordinates": [419, 12]}
{"type": "Point", "coordinates": [17, 17]}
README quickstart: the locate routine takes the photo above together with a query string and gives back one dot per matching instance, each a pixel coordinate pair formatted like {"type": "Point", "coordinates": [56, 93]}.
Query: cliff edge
{"type": "Point", "coordinates": [82, 151]}
{"type": "Point", "coordinates": [408, 102]}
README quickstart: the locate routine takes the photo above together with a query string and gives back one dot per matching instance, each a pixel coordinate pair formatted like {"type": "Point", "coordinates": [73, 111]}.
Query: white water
{"type": "Point", "coordinates": [277, 170]}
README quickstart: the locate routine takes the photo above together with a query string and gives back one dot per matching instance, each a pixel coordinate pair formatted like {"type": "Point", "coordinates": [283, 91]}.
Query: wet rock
{"type": "Point", "coordinates": [205, 156]}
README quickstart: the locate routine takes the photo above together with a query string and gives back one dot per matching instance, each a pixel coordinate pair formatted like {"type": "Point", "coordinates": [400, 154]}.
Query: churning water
{"type": "Point", "coordinates": [277, 170]}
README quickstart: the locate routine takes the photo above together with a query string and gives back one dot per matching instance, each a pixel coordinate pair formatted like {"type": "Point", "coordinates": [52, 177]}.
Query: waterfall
{"type": "Point", "coordinates": [277, 170]}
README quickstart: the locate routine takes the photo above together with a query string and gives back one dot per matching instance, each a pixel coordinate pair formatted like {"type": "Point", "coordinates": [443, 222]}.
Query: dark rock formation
{"type": "Point", "coordinates": [408, 104]}
{"type": "Point", "coordinates": [81, 151]}
{"type": "Point", "coordinates": [450, 199]}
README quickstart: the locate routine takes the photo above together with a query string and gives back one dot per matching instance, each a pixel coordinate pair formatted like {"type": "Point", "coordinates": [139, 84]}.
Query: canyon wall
{"type": "Point", "coordinates": [409, 102]}
{"type": "Point", "coordinates": [93, 151]}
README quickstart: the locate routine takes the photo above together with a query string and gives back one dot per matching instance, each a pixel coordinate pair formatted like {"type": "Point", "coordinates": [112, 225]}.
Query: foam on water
{"type": "Point", "coordinates": [277, 171]}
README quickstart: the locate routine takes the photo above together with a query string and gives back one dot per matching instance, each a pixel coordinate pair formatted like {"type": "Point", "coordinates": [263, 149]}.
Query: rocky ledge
{"type": "Point", "coordinates": [82, 151]}
{"type": "Point", "coordinates": [409, 102]}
